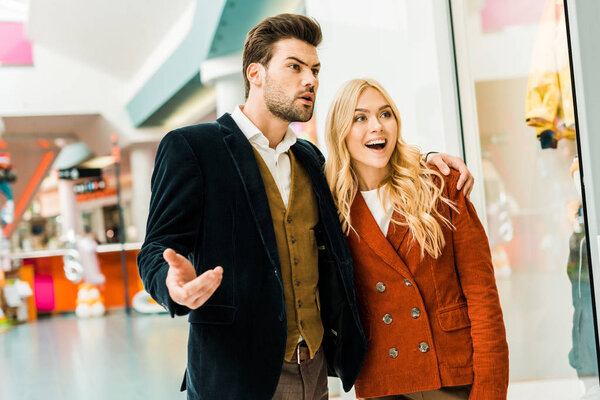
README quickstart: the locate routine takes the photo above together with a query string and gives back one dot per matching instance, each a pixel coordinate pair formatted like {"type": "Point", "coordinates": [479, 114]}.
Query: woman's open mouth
{"type": "Point", "coordinates": [376, 144]}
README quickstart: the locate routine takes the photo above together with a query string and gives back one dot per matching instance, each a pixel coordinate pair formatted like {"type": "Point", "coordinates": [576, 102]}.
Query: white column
{"type": "Point", "coordinates": [69, 212]}
{"type": "Point", "coordinates": [225, 74]}
{"type": "Point", "coordinates": [142, 162]}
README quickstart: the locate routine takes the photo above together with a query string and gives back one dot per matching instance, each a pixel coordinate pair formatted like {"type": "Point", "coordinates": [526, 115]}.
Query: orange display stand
{"type": "Point", "coordinates": [65, 292]}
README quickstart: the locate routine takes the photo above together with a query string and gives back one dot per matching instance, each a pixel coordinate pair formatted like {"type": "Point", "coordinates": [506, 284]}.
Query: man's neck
{"type": "Point", "coordinates": [272, 127]}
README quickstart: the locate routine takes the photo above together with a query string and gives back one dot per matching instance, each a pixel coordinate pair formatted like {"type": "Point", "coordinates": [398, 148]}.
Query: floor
{"type": "Point", "coordinates": [116, 357]}
{"type": "Point", "coordinates": [143, 356]}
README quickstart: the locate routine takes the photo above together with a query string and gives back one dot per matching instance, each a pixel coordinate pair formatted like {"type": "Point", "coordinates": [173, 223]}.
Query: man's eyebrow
{"type": "Point", "coordinates": [380, 108]}
{"type": "Point", "coordinates": [303, 63]}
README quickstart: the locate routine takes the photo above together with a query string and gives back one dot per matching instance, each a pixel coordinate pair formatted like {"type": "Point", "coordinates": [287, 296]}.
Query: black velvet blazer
{"type": "Point", "coordinates": [209, 204]}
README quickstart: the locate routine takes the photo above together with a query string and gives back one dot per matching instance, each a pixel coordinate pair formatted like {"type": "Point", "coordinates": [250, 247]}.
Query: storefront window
{"type": "Point", "coordinates": [518, 70]}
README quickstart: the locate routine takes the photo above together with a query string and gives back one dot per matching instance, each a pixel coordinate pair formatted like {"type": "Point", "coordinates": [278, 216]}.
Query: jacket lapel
{"type": "Point", "coordinates": [244, 160]}
{"type": "Point", "coordinates": [397, 233]}
{"type": "Point", "coordinates": [368, 230]}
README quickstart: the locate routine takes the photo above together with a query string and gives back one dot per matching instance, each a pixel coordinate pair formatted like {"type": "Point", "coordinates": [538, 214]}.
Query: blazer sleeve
{"type": "Point", "coordinates": [174, 218]}
{"type": "Point", "coordinates": [474, 265]}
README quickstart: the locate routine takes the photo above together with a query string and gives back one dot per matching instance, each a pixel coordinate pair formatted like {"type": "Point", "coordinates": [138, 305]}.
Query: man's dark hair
{"type": "Point", "coordinates": [259, 41]}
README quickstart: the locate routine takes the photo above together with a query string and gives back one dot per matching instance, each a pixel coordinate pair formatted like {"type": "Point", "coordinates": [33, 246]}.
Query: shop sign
{"type": "Point", "coordinates": [77, 173]}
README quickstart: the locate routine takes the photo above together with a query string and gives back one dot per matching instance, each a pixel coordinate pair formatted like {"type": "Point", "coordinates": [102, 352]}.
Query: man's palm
{"type": "Point", "coordinates": [184, 286]}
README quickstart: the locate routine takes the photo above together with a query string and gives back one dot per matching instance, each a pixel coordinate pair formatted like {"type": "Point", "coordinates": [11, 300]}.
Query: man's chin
{"type": "Point", "coordinates": [305, 115]}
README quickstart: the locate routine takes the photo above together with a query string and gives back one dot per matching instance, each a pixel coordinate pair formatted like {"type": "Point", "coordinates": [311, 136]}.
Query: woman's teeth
{"type": "Point", "coordinates": [377, 144]}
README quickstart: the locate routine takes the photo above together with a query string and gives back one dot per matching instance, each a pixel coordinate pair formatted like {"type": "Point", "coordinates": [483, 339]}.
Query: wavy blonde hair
{"type": "Point", "coordinates": [410, 185]}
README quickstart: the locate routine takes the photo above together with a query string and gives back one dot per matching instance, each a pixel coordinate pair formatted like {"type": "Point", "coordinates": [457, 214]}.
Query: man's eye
{"type": "Point", "coordinates": [315, 72]}
{"type": "Point", "coordinates": [295, 67]}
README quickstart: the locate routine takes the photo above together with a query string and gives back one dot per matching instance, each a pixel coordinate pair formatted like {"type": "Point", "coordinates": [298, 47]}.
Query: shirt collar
{"type": "Point", "coordinates": [254, 135]}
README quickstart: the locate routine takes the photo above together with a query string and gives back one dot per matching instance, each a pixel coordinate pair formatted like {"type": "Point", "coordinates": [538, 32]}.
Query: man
{"type": "Point", "coordinates": [278, 312]}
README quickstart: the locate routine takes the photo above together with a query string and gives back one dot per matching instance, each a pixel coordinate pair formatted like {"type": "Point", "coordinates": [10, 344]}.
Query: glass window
{"type": "Point", "coordinates": [517, 67]}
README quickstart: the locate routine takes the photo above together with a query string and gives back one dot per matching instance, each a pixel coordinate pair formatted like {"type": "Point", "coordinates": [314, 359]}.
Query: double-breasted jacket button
{"type": "Point", "coordinates": [423, 347]}
{"type": "Point", "coordinates": [393, 352]}
{"type": "Point", "coordinates": [415, 313]}
{"type": "Point", "coordinates": [380, 287]}
{"type": "Point", "coordinates": [387, 319]}
{"type": "Point", "coordinates": [407, 282]}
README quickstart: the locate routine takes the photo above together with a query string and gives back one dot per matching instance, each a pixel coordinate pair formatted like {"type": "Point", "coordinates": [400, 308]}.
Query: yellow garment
{"type": "Point", "coordinates": [298, 255]}
{"type": "Point", "coordinates": [549, 101]}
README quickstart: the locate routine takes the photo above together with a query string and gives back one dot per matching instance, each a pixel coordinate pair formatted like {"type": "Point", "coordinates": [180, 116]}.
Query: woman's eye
{"type": "Point", "coordinates": [386, 114]}
{"type": "Point", "coordinates": [360, 118]}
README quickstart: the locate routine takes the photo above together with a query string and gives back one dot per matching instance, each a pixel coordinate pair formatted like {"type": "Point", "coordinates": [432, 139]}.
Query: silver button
{"type": "Point", "coordinates": [423, 347]}
{"type": "Point", "coordinates": [387, 319]}
{"type": "Point", "coordinates": [415, 313]}
{"type": "Point", "coordinates": [393, 352]}
{"type": "Point", "coordinates": [407, 282]}
{"type": "Point", "coordinates": [380, 287]}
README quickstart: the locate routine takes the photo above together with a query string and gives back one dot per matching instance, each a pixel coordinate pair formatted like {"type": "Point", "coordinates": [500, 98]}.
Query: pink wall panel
{"type": "Point", "coordinates": [15, 49]}
{"type": "Point", "coordinates": [497, 14]}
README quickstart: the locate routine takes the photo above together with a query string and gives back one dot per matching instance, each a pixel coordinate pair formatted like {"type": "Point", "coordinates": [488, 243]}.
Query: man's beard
{"type": "Point", "coordinates": [283, 107]}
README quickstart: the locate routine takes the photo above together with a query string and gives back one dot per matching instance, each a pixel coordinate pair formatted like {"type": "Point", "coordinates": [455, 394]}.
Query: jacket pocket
{"type": "Point", "coordinates": [454, 317]}
{"type": "Point", "coordinates": [213, 314]}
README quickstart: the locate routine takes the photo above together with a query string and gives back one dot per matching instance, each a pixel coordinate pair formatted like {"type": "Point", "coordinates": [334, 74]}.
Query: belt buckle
{"type": "Point", "coordinates": [298, 353]}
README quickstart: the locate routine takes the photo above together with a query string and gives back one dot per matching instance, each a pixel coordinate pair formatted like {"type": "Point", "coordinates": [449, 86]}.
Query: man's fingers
{"type": "Point", "coordinates": [206, 280]}
{"type": "Point", "coordinates": [440, 163]}
{"type": "Point", "coordinates": [204, 286]}
{"type": "Point", "coordinates": [469, 186]}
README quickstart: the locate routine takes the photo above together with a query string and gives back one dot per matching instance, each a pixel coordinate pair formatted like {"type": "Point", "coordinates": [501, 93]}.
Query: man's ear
{"type": "Point", "coordinates": [255, 74]}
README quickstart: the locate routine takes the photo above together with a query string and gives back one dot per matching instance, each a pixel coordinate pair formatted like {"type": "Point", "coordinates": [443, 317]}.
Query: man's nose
{"type": "Point", "coordinates": [309, 79]}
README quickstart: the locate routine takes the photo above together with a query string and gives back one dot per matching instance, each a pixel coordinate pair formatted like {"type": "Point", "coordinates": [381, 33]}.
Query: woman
{"type": "Point", "coordinates": [422, 265]}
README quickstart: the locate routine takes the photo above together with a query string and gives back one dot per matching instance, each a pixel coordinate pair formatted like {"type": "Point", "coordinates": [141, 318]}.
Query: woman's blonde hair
{"type": "Point", "coordinates": [409, 186]}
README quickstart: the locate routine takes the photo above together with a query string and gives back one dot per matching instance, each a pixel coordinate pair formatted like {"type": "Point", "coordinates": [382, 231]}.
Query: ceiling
{"type": "Point", "coordinates": [113, 36]}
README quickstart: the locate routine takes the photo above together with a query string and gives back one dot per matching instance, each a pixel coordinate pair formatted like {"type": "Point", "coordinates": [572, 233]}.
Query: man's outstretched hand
{"type": "Point", "coordinates": [184, 286]}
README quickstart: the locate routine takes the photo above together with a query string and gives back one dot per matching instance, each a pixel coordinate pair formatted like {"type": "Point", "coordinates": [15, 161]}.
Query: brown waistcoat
{"type": "Point", "coordinates": [297, 249]}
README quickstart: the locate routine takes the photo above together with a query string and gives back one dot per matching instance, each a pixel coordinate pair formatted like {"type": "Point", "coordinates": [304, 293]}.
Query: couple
{"type": "Point", "coordinates": [244, 237]}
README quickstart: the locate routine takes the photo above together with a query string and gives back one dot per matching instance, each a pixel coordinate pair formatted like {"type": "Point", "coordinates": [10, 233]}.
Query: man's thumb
{"type": "Point", "coordinates": [170, 257]}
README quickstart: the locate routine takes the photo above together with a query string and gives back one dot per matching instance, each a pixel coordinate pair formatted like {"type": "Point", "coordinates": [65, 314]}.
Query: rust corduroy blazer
{"type": "Point", "coordinates": [430, 323]}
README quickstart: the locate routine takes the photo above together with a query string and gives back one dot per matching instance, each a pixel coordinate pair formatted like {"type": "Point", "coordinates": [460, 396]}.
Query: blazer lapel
{"type": "Point", "coordinates": [397, 233]}
{"type": "Point", "coordinates": [368, 230]}
{"type": "Point", "coordinates": [243, 157]}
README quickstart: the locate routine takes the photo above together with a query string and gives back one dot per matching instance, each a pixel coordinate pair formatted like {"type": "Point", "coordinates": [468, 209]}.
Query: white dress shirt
{"type": "Point", "coordinates": [277, 160]}
{"type": "Point", "coordinates": [379, 213]}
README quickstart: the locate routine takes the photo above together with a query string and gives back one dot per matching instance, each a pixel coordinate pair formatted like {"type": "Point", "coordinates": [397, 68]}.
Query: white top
{"type": "Point", "coordinates": [372, 199]}
{"type": "Point", "coordinates": [277, 160]}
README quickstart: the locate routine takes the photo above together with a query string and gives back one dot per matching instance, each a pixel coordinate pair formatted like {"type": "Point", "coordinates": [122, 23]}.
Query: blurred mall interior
{"type": "Point", "coordinates": [89, 88]}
